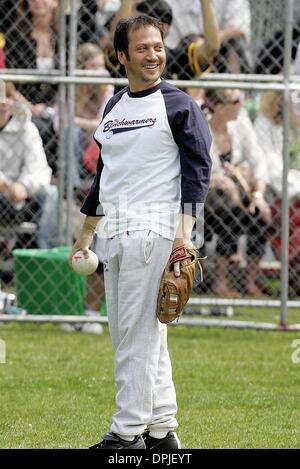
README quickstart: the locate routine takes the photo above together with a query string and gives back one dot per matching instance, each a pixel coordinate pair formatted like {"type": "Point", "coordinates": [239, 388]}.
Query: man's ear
{"type": "Point", "coordinates": [121, 57]}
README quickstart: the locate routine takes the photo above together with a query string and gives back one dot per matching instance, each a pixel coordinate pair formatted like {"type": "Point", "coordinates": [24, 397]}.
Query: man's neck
{"type": "Point", "coordinates": [136, 88]}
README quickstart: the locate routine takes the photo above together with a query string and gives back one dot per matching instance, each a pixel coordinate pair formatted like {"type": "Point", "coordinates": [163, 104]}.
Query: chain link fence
{"type": "Point", "coordinates": [59, 71]}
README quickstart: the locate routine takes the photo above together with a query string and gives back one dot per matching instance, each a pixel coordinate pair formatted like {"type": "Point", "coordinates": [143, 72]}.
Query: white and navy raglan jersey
{"type": "Point", "coordinates": [154, 164]}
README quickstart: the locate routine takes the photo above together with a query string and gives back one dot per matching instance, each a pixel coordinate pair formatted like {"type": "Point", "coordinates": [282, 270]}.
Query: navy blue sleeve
{"type": "Point", "coordinates": [192, 136]}
{"type": "Point", "coordinates": [91, 205]}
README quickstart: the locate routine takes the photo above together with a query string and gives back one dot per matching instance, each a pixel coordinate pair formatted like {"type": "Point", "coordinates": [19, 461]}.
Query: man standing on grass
{"type": "Point", "coordinates": [151, 181]}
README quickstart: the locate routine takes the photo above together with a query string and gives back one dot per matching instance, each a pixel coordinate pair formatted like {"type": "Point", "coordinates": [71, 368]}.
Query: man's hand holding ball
{"type": "Point", "coordinates": [82, 259]}
{"type": "Point", "coordinates": [85, 262]}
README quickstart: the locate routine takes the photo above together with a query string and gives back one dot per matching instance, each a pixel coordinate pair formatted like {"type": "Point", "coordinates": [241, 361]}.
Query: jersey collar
{"type": "Point", "coordinates": [141, 94]}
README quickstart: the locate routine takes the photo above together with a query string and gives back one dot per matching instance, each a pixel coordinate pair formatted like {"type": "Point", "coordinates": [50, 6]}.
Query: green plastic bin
{"type": "Point", "coordinates": [45, 284]}
{"type": "Point", "coordinates": [103, 308]}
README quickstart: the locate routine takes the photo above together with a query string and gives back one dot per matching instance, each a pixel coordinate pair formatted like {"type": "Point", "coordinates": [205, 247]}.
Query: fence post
{"type": "Point", "coordinates": [286, 163]}
{"type": "Point", "coordinates": [71, 114]}
{"type": "Point", "coordinates": [62, 112]}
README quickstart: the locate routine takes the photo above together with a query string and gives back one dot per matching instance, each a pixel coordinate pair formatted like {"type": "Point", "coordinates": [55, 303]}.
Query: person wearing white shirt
{"type": "Point", "coordinates": [25, 176]}
{"type": "Point", "coordinates": [269, 130]}
{"type": "Point", "coordinates": [234, 209]}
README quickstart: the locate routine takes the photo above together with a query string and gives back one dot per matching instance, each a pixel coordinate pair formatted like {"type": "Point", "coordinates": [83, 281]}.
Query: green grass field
{"type": "Point", "coordinates": [235, 388]}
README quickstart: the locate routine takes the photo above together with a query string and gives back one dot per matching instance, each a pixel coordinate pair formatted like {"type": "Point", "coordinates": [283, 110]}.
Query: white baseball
{"type": "Point", "coordinates": [85, 266]}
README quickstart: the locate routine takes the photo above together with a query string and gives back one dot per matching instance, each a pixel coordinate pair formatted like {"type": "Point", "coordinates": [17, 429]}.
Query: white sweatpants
{"type": "Point", "coordinates": [145, 391]}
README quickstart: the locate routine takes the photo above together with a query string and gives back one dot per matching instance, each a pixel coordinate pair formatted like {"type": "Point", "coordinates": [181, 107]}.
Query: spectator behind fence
{"type": "Point", "coordinates": [32, 44]}
{"type": "Point", "coordinates": [269, 130]}
{"type": "Point", "coordinates": [90, 103]}
{"type": "Point", "coordinates": [91, 100]}
{"type": "Point", "coordinates": [194, 55]}
{"type": "Point", "coordinates": [234, 20]}
{"type": "Point", "coordinates": [235, 203]}
{"type": "Point", "coordinates": [25, 190]}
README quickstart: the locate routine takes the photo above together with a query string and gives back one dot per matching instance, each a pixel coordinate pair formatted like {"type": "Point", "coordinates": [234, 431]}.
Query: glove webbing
{"type": "Point", "coordinates": [181, 253]}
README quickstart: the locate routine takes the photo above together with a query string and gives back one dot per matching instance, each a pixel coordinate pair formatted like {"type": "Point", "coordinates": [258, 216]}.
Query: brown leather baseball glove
{"type": "Point", "coordinates": [174, 292]}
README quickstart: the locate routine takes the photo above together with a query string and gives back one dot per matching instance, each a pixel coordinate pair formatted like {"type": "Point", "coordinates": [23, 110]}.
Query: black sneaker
{"type": "Point", "coordinates": [170, 441]}
{"type": "Point", "coordinates": [113, 441]}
